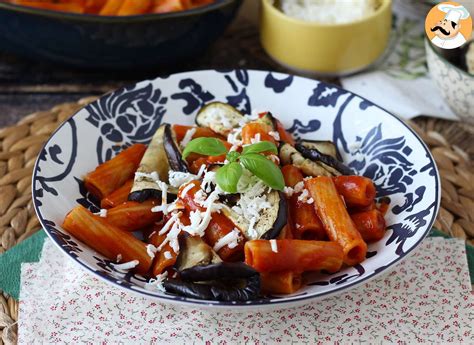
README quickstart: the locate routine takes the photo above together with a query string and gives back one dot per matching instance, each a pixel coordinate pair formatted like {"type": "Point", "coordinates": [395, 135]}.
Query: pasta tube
{"type": "Point", "coordinates": [112, 174]}
{"type": "Point", "coordinates": [293, 255]}
{"type": "Point", "coordinates": [337, 222]}
{"type": "Point", "coordinates": [106, 239]}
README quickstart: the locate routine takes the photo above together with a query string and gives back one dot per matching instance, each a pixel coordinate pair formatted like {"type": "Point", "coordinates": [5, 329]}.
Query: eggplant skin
{"type": "Point", "coordinates": [315, 155]}
{"type": "Point", "coordinates": [280, 221]}
{"type": "Point", "coordinates": [187, 286]}
{"type": "Point", "coordinates": [173, 152]}
{"type": "Point", "coordinates": [326, 147]}
{"type": "Point", "coordinates": [146, 194]}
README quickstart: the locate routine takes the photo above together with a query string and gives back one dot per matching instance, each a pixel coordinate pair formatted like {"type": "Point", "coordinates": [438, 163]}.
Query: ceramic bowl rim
{"type": "Point", "coordinates": [297, 300]}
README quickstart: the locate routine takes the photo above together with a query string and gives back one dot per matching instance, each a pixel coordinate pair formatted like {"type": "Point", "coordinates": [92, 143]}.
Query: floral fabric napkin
{"type": "Point", "coordinates": [426, 298]}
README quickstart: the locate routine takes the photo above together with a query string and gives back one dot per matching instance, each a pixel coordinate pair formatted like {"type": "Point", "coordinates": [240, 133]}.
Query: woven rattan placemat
{"type": "Point", "coordinates": [450, 143]}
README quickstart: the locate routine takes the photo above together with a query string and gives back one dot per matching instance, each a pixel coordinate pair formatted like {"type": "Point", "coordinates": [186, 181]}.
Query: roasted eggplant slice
{"type": "Point", "coordinates": [222, 282]}
{"type": "Point", "coordinates": [324, 146]}
{"type": "Point", "coordinates": [272, 220]}
{"type": "Point", "coordinates": [220, 117]}
{"type": "Point", "coordinates": [290, 155]}
{"type": "Point", "coordinates": [173, 153]}
{"type": "Point", "coordinates": [154, 161]}
{"type": "Point", "coordinates": [328, 162]}
{"type": "Point", "coordinates": [193, 251]}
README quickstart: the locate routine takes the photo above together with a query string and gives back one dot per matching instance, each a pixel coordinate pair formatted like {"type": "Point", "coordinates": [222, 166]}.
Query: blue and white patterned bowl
{"type": "Point", "coordinates": [372, 141]}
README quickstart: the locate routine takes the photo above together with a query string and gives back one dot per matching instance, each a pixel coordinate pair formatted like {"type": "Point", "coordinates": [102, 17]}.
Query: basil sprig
{"type": "Point", "coordinates": [228, 176]}
{"type": "Point", "coordinates": [205, 146]}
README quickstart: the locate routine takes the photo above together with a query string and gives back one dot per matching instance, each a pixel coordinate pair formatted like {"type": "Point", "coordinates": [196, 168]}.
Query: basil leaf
{"type": "Point", "coordinates": [228, 176]}
{"type": "Point", "coordinates": [205, 146]}
{"type": "Point", "coordinates": [261, 146]}
{"type": "Point", "coordinates": [264, 169]}
{"type": "Point", "coordinates": [233, 156]}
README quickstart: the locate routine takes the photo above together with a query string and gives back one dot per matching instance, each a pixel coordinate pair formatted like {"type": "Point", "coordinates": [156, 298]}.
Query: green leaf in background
{"type": "Point", "coordinates": [228, 176]}
{"type": "Point", "coordinates": [264, 169]}
{"type": "Point", "coordinates": [262, 146]}
{"type": "Point", "coordinates": [205, 146]}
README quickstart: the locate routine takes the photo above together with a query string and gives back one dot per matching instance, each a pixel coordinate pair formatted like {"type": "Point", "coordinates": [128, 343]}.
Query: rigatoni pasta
{"type": "Point", "coordinates": [232, 209]}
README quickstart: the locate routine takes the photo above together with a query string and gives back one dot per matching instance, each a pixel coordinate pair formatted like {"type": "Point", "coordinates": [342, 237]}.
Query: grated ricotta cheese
{"type": "Point", "coordinates": [288, 191]}
{"type": "Point", "coordinates": [126, 265]}
{"type": "Point", "coordinates": [275, 135]}
{"type": "Point", "coordinates": [329, 11]}
{"type": "Point", "coordinates": [304, 196]}
{"type": "Point", "coordinates": [164, 196]}
{"type": "Point", "coordinates": [152, 176]}
{"type": "Point", "coordinates": [299, 187]}
{"type": "Point", "coordinates": [274, 245]}
{"type": "Point", "coordinates": [167, 255]}
{"type": "Point", "coordinates": [157, 283]}
{"type": "Point", "coordinates": [188, 137]}
{"type": "Point", "coordinates": [151, 250]}
{"type": "Point", "coordinates": [231, 240]}
{"type": "Point", "coordinates": [102, 213]}
{"type": "Point", "coordinates": [169, 223]}
{"type": "Point", "coordinates": [186, 189]}
{"type": "Point", "coordinates": [256, 138]}
{"type": "Point", "coordinates": [208, 180]}
{"type": "Point", "coordinates": [178, 178]}
{"type": "Point", "coordinates": [202, 170]}
{"type": "Point", "coordinates": [119, 258]}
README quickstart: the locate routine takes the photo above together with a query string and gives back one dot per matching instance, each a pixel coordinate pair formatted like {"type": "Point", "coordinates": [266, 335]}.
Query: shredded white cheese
{"type": "Point", "coordinates": [233, 137]}
{"type": "Point", "coordinates": [256, 138]}
{"type": "Point", "coordinates": [164, 195]}
{"type": "Point", "coordinates": [186, 189]}
{"type": "Point", "coordinates": [288, 191]}
{"type": "Point", "coordinates": [298, 187]}
{"type": "Point", "coordinates": [253, 200]}
{"type": "Point", "coordinates": [200, 220]}
{"type": "Point", "coordinates": [187, 137]}
{"type": "Point", "coordinates": [126, 265]}
{"type": "Point", "coordinates": [102, 213]}
{"type": "Point", "coordinates": [304, 196]}
{"type": "Point", "coordinates": [167, 255]}
{"type": "Point", "coordinates": [169, 223]}
{"type": "Point", "coordinates": [119, 258]}
{"type": "Point", "coordinates": [208, 180]}
{"type": "Point", "coordinates": [230, 239]}
{"type": "Point", "coordinates": [310, 201]}
{"type": "Point", "coordinates": [178, 178]}
{"type": "Point", "coordinates": [151, 250]}
{"type": "Point", "coordinates": [200, 197]}
{"type": "Point", "coordinates": [275, 135]}
{"type": "Point", "coordinates": [329, 11]}
{"type": "Point", "coordinates": [157, 283]}
{"type": "Point", "coordinates": [202, 170]}
{"type": "Point", "coordinates": [274, 245]}
{"type": "Point", "coordinates": [152, 175]}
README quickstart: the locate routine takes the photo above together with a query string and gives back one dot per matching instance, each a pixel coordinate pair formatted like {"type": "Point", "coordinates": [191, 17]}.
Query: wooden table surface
{"type": "Point", "coordinates": [27, 86]}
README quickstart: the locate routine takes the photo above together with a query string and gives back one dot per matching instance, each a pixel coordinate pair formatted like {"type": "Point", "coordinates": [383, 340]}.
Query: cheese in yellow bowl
{"type": "Point", "coordinates": [325, 37]}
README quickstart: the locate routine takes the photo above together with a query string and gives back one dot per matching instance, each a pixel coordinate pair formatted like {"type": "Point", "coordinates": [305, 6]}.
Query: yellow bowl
{"type": "Point", "coordinates": [325, 49]}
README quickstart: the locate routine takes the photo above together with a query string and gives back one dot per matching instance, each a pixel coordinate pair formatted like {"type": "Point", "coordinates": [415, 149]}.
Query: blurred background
{"type": "Point", "coordinates": [49, 57]}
